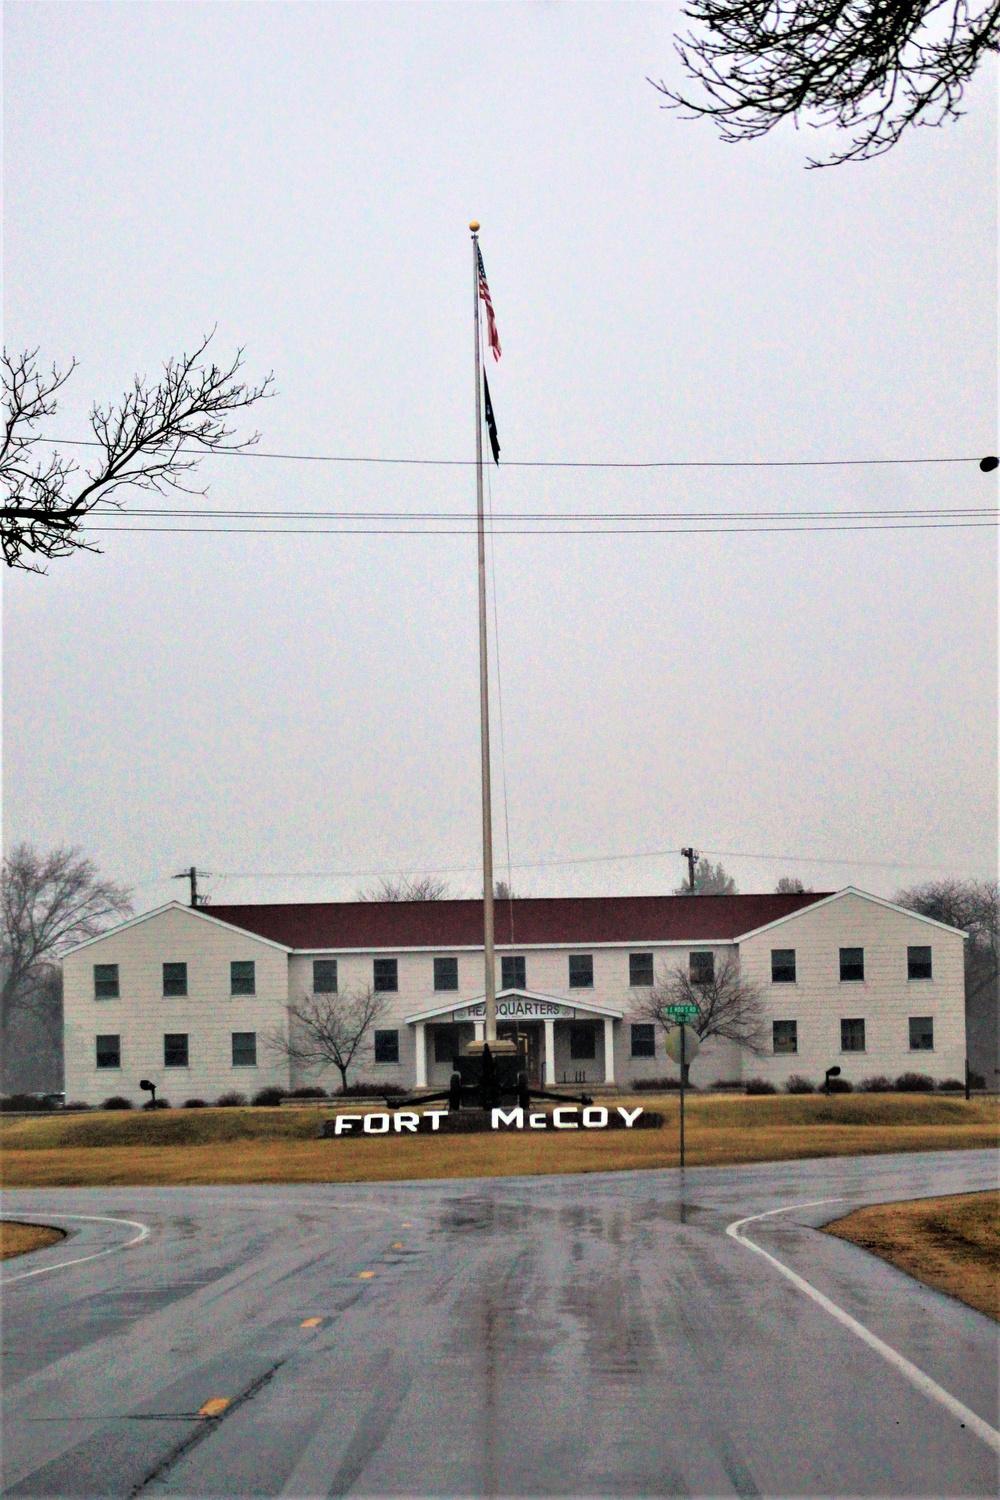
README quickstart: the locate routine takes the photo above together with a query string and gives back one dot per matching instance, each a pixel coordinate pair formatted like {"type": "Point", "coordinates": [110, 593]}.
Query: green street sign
{"type": "Point", "coordinates": [682, 1012]}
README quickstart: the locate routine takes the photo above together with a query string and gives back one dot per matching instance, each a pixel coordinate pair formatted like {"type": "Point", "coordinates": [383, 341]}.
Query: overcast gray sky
{"type": "Point", "coordinates": [303, 176]}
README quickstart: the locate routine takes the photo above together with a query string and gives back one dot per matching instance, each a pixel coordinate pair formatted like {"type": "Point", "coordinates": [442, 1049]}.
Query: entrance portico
{"type": "Point", "coordinates": [580, 1059]}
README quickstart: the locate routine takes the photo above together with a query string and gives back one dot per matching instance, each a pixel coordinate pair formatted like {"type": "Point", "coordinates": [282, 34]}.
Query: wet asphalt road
{"type": "Point", "coordinates": [585, 1335]}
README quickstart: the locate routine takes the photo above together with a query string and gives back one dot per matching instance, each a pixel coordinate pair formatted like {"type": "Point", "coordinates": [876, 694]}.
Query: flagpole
{"type": "Point", "coordinates": [489, 991]}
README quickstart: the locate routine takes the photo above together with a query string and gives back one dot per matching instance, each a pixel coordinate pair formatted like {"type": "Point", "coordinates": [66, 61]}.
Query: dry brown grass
{"type": "Point", "coordinates": [261, 1145]}
{"type": "Point", "coordinates": [19, 1239]}
{"type": "Point", "coordinates": [951, 1243]}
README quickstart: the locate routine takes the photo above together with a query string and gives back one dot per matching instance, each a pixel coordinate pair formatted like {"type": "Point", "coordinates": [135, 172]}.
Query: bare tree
{"type": "Point", "coordinates": [151, 440]}
{"type": "Point", "coordinates": [329, 1031]}
{"type": "Point", "coordinates": [49, 902]}
{"type": "Point", "coordinates": [406, 888]}
{"type": "Point", "coordinates": [729, 1006]}
{"type": "Point", "coordinates": [709, 880]}
{"type": "Point", "coordinates": [860, 66]}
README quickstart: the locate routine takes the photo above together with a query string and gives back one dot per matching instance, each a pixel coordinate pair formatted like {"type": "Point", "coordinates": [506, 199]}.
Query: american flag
{"type": "Point", "coordinates": [491, 322]}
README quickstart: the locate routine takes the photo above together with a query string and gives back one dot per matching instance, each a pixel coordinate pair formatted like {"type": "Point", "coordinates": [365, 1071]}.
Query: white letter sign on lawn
{"type": "Point", "coordinates": [595, 1117]}
{"type": "Point", "coordinates": [629, 1115]}
{"type": "Point", "coordinates": [370, 1128]}
{"type": "Point", "coordinates": [513, 1117]}
{"type": "Point", "coordinates": [344, 1122]}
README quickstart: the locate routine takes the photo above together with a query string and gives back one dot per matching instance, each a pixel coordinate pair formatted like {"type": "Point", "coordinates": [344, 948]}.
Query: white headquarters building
{"type": "Point", "coordinates": [187, 997]}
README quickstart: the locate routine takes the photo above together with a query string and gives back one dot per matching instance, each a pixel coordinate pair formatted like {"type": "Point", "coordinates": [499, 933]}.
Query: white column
{"type": "Point", "coordinates": [421, 1055]}
{"type": "Point", "coordinates": [480, 1030]}
{"type": "Point", "coordinates": [609, 1050]}
{"type": "Point", "coordinates": [550, 1053]}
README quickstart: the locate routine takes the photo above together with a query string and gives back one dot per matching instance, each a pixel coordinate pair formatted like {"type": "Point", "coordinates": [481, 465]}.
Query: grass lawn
{"type": "Point", "coordinates": [951, 1243]}
{"type": "Point", "coordinates": [273, 1145]}
{"type": "Point", "coordinates": [18, 1239]}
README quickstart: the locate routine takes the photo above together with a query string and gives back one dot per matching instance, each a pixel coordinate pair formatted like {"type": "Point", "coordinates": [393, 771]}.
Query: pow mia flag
{"type": "Point", "coordinates": [491, 423]}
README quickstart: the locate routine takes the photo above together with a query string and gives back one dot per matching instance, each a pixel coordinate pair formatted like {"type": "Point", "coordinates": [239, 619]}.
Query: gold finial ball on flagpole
{"type": "Point", "coordinates": [474, 226]}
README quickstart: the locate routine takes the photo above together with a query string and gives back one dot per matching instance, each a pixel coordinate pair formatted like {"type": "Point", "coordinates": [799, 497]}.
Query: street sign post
{"type": "Point", "coordinates": [683, 1045]}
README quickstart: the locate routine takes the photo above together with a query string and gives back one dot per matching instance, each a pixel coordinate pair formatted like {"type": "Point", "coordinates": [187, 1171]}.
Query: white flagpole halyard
{"type": "Point", "coordinates": [489, 991]}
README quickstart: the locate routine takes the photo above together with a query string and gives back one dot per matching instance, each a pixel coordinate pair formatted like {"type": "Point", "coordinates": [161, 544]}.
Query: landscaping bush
{"type": "Point", "coordinates": [796, 1084]}
{"type": "Point", "coordinates": [369, 1091]}
{"type": "Point", "coordinates": [839, 1086]}
{"type": "Point", "coordinates": [655, 1085]}
{"type": "Point", "coordinates": [77, 1105]}
{"type": "Point", "coordinates": [309, 1091]}
{"type": "Point", "coordinates": [117, 1102]}
{"type": "Point", "coordinates": [878, 1084]}
{"type": "Point", "coordinates": [268, 1096]}
{"type": "Point", "coordinates": [759, 1086]}
{"type": "Point", "coordinates": [193, 1104]}
{"type": "Point", "coordinates": [157, 1104]}
{"type": "Point", "coordinates": [232, 1100]}
{"type": "Point", "coordinates": [976, 1080]}
{"type": "Point", "coordinates": [914, 1083]}
{"type": "Point", "coordinates": [946, 1086]}
{"type": "Point", "coordinates": [728, 1085]}
{"type": "Point", "coordinates": [26, 1103]}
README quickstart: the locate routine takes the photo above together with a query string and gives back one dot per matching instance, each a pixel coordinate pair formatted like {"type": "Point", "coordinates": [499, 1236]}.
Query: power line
{"type": "Point", "coordinates": [585, 859]}
{"type": "Point", "coordinates": [634, 530]}
{"type": "Point", "coordinates": [112, 510]}
{"type": "Point", "coordinates": [556, 463]}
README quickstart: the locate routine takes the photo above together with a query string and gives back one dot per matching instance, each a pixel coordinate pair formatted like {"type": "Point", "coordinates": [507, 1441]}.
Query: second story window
{"type": "Point", "coordinates": [175, 979]}
{"type": "Point", "coordinates": [106, 982]}
{"type": "Point", "coordinates": [324, 976]}
{"type": "Point", "coordinates": [512, 973]}
{"type": "Point", "coordinates": [852, 965]}
{"type": "Point", "coordinates": [701, 968]}
{"type": "Point", "coordinates": [446, 973]}
{"type": "Point", "coordinates": [782, 965]}
{"type": "Point", "coordinates": [918, 963]}
{"type": "Point", "coordinates": [385, 974]}
{"type": "Point", "coordinates": [640, 970]}
{"type": "Point", "coordinates": [581, 971]}
{"type": "Point", "coordinates": [242, 977]}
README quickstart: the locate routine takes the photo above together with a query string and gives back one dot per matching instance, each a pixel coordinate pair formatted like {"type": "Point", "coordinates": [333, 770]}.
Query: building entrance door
{"type": "Point", "coordinates": [530, 1032]}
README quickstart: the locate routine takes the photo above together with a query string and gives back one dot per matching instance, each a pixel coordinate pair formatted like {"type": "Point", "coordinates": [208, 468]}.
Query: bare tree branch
{"type": "Point", "coordinates": [151, 440]}
{"type": "Point", "coordinates": [327, 1031]}
{"type": "Point", "coordinates": [873, 68]}
{"type": "Point", "coordinates": [406, 888]}
{"type": "Point", "coordinates": [729, 1006]}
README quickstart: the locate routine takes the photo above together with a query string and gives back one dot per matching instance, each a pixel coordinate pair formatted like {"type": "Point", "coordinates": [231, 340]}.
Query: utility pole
{"type": "Point", "coordinates": [691, 856]}
{"type": "Point", "coordinates": [192, 875]}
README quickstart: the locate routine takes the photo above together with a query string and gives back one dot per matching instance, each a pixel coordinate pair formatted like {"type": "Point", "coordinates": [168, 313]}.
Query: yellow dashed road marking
{"type": "Point", "coordinates": [214, 1406]}
{"type": "Point", "coordinates": [365, 1275]}
{"type": "Point", "coordinates": [311, 1323]}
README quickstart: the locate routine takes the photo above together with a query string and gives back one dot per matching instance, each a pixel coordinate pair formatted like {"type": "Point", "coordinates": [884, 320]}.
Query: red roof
{"type": "Point", "coordinates": [341, 925]}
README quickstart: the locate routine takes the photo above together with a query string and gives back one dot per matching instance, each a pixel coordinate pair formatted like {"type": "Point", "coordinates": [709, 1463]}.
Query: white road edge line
{"type": "Point", "coordinates": [144, 1233]}
{"type": "Point", "coordinates": [928, 1387]}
